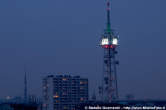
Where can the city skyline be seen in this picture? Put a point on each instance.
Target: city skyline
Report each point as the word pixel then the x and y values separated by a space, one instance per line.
pixel 62 37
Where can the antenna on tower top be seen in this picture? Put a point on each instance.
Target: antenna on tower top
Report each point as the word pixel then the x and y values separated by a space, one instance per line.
pixel 108 17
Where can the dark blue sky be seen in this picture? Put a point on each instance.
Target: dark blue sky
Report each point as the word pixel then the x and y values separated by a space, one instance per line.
pixel 62 36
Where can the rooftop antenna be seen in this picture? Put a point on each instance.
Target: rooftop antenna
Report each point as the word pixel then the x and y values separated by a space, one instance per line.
pixel 108 17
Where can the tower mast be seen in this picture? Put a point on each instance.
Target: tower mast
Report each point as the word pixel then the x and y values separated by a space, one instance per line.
pixel 108 17
pixel 25 85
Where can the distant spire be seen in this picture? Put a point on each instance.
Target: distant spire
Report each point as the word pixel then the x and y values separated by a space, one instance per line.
pixel 108 17
pixel 25 84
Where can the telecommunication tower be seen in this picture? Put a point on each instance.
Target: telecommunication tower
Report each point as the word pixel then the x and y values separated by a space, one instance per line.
pixel 109 43
pixel 25 85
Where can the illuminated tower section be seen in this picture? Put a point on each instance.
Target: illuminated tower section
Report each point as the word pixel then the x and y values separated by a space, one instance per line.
pixel 109 43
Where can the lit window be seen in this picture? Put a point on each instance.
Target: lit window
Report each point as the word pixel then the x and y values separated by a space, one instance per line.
pixel 55 96
pixel 81 98
pixel 64 79
pixel 83 82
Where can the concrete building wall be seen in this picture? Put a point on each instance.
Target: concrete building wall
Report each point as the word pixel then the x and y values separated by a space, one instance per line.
pixel 63 92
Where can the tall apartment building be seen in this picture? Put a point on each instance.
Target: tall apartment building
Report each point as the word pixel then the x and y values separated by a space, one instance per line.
pixel 64 92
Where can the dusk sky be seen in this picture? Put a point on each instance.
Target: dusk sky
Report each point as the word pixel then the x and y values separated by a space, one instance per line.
pixel 62 36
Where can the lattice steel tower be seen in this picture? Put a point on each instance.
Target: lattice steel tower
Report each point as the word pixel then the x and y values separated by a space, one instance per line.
pixel 25 85
pixel 109 43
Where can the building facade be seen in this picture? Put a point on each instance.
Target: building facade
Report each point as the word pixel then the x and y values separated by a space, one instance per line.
pixel 19 106
pixel 64 92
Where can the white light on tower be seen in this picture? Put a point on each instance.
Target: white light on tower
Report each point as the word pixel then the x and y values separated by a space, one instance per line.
pixel 105 41
pixel 115 41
